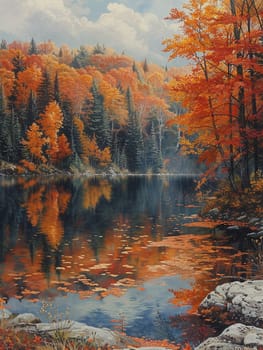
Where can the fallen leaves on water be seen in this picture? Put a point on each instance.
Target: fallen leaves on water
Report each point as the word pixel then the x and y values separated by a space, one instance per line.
pixel 125 282
pixel 204 224
pixel 99 267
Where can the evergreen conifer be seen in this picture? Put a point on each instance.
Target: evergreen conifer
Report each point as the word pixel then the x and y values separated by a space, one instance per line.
pixel 99 125
pixel 134 142
pixel 32 48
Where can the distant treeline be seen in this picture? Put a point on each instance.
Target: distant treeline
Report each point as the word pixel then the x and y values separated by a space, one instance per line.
pixel 82 109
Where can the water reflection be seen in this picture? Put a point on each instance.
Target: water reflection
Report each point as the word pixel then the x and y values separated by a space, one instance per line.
pixel 112 247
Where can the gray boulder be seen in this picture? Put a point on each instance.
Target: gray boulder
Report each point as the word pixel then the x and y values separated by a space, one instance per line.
pixel 214 212
pixel 242 301
pixel 233 228
pixel 26 318
pixel 253 221
pixel 238 336
pixel 73 329
pixel 242 217
pixel 77 330
pixel 5 314
pixel 258 234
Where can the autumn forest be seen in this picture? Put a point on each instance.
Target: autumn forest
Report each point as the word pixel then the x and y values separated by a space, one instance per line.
pixel 83 109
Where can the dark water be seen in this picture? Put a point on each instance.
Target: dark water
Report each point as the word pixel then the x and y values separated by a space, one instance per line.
pixel 114 253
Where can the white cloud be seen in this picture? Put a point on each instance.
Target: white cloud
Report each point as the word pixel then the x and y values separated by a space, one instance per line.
pixel 69 21
pixel 79 8
pixel 159 7
pixel 134 302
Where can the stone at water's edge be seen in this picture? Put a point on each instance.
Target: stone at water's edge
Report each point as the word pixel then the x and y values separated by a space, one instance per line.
pixel 237 336
pixel 73 330
pixel 5 314
pixel 242 301
pixel 25 318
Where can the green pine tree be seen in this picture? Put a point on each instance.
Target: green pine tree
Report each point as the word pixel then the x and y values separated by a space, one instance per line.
pixel 69 129
pixel 99 125
pixel 134 142
pixel 99 50
pixel 32 48
pixel 11 138
pixel 3 45
pixel 14 116
pixel 2 120
pixel 81 59
pixel 145 66
pixel 60 53
pixel 29 115
pixel 31 110
pixel 154 162
pixel 135 70
pixel 57 90
pixel 18 62
pixel 45 93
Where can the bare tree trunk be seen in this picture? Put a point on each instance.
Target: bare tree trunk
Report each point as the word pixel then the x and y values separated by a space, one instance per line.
pixel 252 5
pixel 160 118
pixel 231 169
pixel 244 148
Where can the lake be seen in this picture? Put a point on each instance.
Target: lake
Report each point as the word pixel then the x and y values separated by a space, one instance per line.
pixel 115 252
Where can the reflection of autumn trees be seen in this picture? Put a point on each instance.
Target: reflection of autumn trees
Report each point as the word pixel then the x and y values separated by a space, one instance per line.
pixel 122 261
pixel 50 224
pixel 200 260
pixel 44 207
pixel 92 193
pixel 94 236
pixel 34 206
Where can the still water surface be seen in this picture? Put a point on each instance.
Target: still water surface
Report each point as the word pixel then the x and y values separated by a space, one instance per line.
pixel 115 253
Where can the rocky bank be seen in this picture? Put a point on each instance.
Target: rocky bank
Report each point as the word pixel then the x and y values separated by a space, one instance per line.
pixel 68 329
pixel 235 337
pixel 235 302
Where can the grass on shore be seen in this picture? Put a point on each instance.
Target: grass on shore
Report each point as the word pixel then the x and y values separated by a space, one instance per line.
pixel 10 339
pixel 248 202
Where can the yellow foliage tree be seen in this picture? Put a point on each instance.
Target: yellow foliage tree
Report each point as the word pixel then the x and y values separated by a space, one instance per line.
pixel 34 143
pixel 51 121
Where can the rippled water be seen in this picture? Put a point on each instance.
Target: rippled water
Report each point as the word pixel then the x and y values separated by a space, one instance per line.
pixel 115 252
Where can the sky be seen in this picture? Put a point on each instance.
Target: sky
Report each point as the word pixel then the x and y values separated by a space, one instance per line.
pixel 135 27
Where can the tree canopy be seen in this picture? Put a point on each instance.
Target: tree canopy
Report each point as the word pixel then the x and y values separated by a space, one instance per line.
pixel 68 108
pixel 222 95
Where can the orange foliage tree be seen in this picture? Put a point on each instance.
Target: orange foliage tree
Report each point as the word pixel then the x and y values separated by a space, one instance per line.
pixel 74 85
pixel 83 139
pixel 35 142
pixel 51 121
pixel 107 62
pixel 28 81
pixel 90 152
pixel 222 94
pixel 98 157
pixel 7 81
pixel 114 102
pixel 64 149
